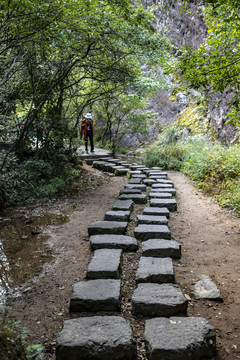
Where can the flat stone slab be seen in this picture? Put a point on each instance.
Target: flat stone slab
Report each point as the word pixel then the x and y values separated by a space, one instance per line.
pixel 145 232
pixel 113 215
pixel 151 219
pixel 126 243
pixel 157 177
pixel 141 187
pixel 171 204
pixel 158 300
pixel 130 191
pixel 98 337
pixel 134 172
pixel 164 190
pixel 135 181
pixel 139 176
pixel 120 170
pixel 180 338
pixel 126 205
pixel 161 248
pixel 105 264
pixel 96 295
pixel 136 198
pixel 162 186
pixel 155 270
pixel 206 289
pixel 149 182
pixel 158 195
pixel 107 227
pixel 164 181
pixel 157 211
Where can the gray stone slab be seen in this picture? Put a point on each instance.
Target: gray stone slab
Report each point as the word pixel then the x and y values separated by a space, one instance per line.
pixel 164 181
pixel 161 248
pixel 162 211
pixel 130 191
pixel 117 215
pixel 136 198
pixel 105 264
pixel 162 186
pixel 158 195
pixel 156 177
pixel 149 182
pixel 155 270
pixel 206 289
pixel 145 232
pixel 126 243
pixel 125 205
pixel 171 204
pixel 96 163
pixel 157 173
pixel 120 170
pixel 156 168
pixel 139 176
pixel 96 338
pixel 134 172
pixel 135 181
pixel 158 300
pixel 137 167
pixel 96 295
pixel 180 338
pixel 107 167
pixel 141 187
pixel 164 190
pixel 151 219
pixel 107 227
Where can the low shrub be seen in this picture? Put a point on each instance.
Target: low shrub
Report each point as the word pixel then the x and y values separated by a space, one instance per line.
pixel 32 179
pixel 213 167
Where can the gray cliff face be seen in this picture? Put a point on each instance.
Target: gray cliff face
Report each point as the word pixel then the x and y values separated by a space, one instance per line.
pixel 185 29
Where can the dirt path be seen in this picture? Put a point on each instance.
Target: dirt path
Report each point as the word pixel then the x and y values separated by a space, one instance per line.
pixel 210 237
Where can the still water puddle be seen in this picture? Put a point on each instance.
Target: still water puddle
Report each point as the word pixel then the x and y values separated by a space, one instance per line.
pixel 23 249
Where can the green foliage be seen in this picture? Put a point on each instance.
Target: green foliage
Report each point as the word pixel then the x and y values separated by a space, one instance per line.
pixel 213 167
pixel 13 340
pixel 32 179
pixel 214 67
pixel 58 58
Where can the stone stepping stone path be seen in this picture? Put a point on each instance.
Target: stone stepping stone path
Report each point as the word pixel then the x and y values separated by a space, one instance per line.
pixel 98 337
pixel 155 270
pixel 98 334
pixel 145 232
pixel 158 300
pixel 136 198
pixel 171 204
pixel 161 248
pixel 179 338
pixel 117 215
pixel 162 211
pixel 160 195
pixel 125 205
pixel 126 243
pixel 107 227
pixel 151 219
pixel 96 295
pixel 99 268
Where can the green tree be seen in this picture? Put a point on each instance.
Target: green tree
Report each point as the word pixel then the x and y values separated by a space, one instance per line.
pixel 214 67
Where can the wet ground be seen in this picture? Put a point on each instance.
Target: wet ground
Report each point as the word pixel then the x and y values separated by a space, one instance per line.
pixel 23 248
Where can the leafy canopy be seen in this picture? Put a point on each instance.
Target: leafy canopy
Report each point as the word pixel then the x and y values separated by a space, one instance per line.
pixel 214 67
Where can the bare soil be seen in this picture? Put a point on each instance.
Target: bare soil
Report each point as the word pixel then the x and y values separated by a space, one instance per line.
pixel 210 238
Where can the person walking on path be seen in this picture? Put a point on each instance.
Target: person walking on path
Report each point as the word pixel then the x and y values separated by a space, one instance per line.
pixel 87 131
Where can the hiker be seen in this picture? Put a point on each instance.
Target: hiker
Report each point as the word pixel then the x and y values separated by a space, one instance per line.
pixel 87 131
